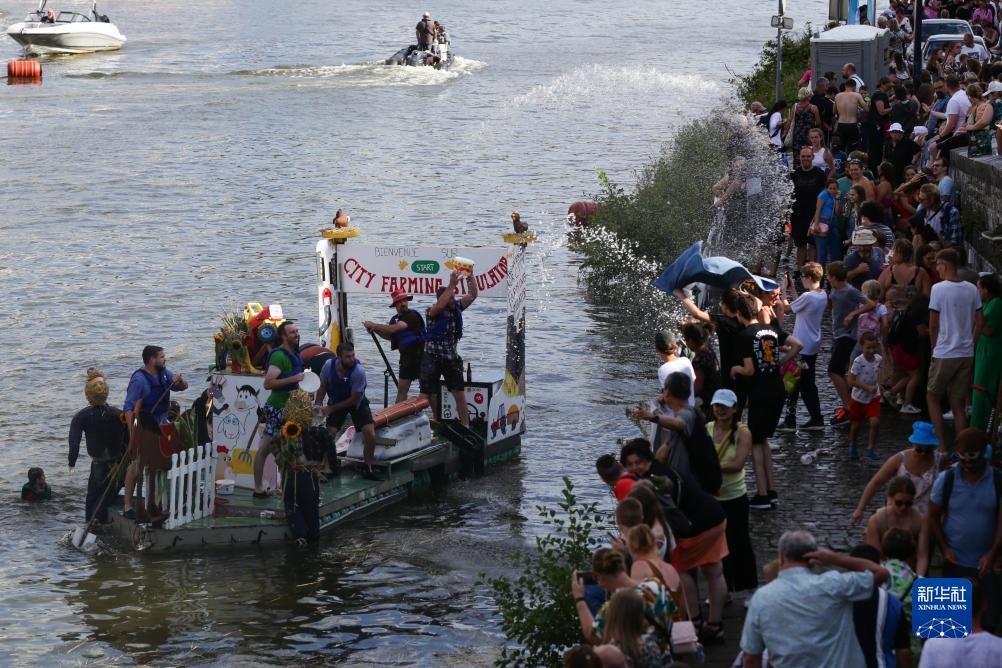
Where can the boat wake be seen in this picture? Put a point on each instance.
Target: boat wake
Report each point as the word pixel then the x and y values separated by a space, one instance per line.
pixel 370 74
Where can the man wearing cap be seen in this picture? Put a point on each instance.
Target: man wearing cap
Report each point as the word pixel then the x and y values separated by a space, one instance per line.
pixel 899 150
pixel 865 260
pixel 994 94
pixel 965 521
pixel 425 31
pixel 405 332
pixel 104 429
pixel 284 370
pixel 441 357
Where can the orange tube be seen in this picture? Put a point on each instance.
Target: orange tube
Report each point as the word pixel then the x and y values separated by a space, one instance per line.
pixel 397 411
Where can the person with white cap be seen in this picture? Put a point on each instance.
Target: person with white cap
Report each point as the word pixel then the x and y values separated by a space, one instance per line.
pixel 994 94
pixel 899 149
pixel 732 440
pixel 425 32
pixel 405 332
pixel 864 261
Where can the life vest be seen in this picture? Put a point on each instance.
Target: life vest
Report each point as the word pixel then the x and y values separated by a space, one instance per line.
pixel 297 367
pixel 438 329
pixel 153 399
pixel 406 337
pixel 338 388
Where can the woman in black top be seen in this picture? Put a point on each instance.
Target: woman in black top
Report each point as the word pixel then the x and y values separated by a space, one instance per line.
pixel 765 349
pixel 704 362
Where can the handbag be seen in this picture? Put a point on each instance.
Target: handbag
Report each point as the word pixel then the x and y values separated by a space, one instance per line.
pixel 788 139
pixel 819 229
pixel 684 639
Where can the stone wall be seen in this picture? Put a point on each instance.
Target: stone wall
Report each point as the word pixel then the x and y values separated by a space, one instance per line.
pixel 979 186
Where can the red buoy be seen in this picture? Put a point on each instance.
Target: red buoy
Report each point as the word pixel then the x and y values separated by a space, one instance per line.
pixel 581 212
pixel 24 69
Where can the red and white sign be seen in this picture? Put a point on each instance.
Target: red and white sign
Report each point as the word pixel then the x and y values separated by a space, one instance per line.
pixel 420 270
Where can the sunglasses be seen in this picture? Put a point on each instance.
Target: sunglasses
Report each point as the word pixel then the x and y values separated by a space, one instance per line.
pixel 907 503
pixel 970 454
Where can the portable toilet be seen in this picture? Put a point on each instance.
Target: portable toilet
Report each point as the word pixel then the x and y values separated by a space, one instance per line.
pixel 866 47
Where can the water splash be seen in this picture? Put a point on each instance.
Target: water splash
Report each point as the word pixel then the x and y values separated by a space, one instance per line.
pixel 370 74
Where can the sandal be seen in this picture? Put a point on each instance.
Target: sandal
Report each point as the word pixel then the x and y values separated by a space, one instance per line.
pixel 711 634
pixel 698 622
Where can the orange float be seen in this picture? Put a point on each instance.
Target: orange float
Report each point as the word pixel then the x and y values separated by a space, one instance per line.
pixel 397 411
pixel 24 69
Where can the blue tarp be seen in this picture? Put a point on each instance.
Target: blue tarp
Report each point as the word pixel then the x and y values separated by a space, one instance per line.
pixel 720 272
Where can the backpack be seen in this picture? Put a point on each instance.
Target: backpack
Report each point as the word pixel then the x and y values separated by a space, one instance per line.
pixel 951 473
pixel 868 322
pixel 703 459
pixel 899 324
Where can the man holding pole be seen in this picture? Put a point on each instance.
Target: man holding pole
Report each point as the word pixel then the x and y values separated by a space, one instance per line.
pixel 405 331
pixel 441 358
pixel 147 398
pixel 103 427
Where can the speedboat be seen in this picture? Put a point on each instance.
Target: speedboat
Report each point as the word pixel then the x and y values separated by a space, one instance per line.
pixel 50 31
pixel 439 56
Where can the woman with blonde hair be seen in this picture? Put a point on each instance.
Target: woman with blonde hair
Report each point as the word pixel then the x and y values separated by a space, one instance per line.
pixel 646 563
pixel 979 118
pixel 625 634
pixel 803 116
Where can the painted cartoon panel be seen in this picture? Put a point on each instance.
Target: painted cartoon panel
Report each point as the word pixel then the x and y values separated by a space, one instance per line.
pixel 236 399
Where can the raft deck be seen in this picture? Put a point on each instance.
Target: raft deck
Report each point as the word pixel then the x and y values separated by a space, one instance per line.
pixel 238 519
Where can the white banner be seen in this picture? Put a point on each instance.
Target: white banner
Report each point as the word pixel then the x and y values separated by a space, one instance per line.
pixel 420 270
pixel 516 283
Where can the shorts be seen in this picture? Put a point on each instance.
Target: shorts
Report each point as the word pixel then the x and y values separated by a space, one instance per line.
pixel 858 411
pixel 799 231
pixel 765 407
pixel 410 365
pixel 950 376
pixel 904 360
pixel 360 416
pixel 434 367
pixel 274 418
pixel 841 352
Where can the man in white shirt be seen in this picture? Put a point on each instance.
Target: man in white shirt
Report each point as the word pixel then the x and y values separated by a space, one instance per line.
pixel 956 117
pixel 973 49
pixel 667 347
pixel 810 308
pixel 849 72
pixel 955 317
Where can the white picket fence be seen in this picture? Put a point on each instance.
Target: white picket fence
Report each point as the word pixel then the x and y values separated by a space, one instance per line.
pixel 191 486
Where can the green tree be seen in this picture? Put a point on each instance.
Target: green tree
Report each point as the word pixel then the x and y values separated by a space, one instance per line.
pixel 760 83
pixel 537 607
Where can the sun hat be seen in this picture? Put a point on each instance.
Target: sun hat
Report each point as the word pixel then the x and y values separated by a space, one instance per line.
pixel 724 397
pixel 895 127
pixel 863 237
pixel 923 434
pixel 398 296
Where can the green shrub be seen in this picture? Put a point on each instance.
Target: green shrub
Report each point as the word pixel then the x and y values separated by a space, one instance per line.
pixel 537 608
pixel 760 83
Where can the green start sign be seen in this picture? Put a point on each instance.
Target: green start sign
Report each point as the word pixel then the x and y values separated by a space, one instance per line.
pixel 425 267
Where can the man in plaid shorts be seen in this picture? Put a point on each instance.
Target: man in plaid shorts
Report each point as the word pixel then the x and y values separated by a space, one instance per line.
pixel 444 330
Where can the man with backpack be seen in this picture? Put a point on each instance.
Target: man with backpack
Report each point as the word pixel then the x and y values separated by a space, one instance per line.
pixel 681 438
pixel 284 369
pixel 964 518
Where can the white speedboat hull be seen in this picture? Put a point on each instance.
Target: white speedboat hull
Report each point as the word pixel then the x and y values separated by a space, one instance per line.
pixel 83 37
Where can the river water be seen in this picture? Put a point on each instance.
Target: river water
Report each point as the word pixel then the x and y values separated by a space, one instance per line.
pixel 148 191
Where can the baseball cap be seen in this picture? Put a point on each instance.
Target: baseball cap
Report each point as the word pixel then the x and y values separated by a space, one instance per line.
pixel 895 127
pixel 724 397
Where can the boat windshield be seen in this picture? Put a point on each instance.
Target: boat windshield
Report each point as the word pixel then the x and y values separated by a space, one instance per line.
pixel 71 17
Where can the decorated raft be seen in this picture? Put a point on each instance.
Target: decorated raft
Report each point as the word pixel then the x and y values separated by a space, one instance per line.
pixel 202 496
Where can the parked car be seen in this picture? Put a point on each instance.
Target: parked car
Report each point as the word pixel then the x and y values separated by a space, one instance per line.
pixel 939 41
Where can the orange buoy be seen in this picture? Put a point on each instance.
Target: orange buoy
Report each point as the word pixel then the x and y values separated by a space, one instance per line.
pixel 24 69
pixel 580 212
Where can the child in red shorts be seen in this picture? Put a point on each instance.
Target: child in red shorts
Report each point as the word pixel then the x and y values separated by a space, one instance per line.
pixel 865 401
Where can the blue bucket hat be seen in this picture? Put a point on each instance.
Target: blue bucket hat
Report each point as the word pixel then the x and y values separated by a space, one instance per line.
pixel 923 434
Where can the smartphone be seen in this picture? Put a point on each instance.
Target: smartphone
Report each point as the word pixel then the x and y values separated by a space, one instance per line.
pixel 612 539
pixel 587 578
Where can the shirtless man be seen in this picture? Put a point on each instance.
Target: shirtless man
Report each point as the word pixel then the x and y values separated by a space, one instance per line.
pixel 854 172
pixel 847 106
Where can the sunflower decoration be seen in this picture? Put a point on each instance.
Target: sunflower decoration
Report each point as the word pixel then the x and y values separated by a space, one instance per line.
pixel 291 431
pixel 299 408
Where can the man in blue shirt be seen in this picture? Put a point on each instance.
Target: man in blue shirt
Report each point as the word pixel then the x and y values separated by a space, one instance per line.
pixel 343 383
pixel 146 401
pixel 964 518
pixel 804 618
